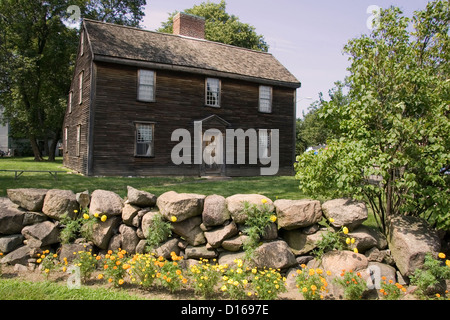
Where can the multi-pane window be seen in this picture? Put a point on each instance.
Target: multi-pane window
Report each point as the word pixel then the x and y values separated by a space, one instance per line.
pixel 146 86
pixel 264 143
pixel 265 99
pixel 144 140
pixel 80 87
pixel 213 92
pixel 78 140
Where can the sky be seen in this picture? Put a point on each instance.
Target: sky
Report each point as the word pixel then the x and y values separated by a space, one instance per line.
pixel 306 36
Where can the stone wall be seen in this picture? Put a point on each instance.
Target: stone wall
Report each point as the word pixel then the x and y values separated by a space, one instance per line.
pixel 210 227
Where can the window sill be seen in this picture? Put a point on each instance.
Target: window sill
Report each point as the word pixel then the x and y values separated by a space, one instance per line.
pixel 211 106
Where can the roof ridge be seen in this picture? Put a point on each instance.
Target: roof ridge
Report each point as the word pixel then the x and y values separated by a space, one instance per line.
pixel 178 36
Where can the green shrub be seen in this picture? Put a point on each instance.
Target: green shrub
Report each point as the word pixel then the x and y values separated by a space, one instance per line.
pixel 432 272
pixel 159 231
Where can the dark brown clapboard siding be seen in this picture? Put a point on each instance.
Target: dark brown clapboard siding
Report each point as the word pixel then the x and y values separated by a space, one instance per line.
pixel 179 102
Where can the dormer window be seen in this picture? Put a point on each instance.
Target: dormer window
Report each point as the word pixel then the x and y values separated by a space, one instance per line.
pixel 212 92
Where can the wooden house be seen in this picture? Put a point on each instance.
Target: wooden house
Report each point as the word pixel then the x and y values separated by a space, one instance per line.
pixel 132 89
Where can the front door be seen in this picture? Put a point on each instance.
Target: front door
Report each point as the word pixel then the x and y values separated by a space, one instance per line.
pixel 213 153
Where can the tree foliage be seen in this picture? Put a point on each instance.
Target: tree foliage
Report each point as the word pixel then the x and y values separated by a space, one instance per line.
pixel 37 56
pixel 393 149
pixel 222 27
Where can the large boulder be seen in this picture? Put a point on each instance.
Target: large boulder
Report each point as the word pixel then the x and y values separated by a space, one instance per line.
pixel 217 236
pixel 41 234
pixel 129 238
pixel 103 231
pixel 182 206
pixel 140 198
pixel 236 204
pixel 275 254
pixel 337 260
pixel 293 214
pixel 30 199
pixel 367 238
pixel 190 230
pixel 345 212
pixel 60 202
pixel 106 203
pixel 410 239
pixel 11 217
pixel 10 243
pixel 215 211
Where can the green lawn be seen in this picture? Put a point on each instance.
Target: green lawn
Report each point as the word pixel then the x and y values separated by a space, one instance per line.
pixel 17 289
pixel 272 187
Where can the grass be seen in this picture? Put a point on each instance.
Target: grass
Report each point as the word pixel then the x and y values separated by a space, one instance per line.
pixel 272 187
pixel 17 289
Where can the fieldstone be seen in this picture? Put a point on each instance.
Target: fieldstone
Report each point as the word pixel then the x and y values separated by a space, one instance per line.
pixel 235 243
pixel 199 252
pixel 10 242
pixel 18 256
pixel 129 212
pixel 293 214
pixel 115 243
pixel 129 238
pixel 301 243
pixel 276 254
pixel 270 232
pixel 146 222
pixel 106 203
pixel 375 255
pixel 217 236
pixel 215 211
pixel 30 218
pixel 228 258
pixel 379 270
pixel 365 238
pixel 68 249
pixel 60 202
pixel 83 199
pixel 410 239
pixel 141 246
pixel 30 199
pixel 166 248
pixel 182 206
pixel 303 259
pixel 41 234
pixel 140 198
pixel 190 230
pixel 103 231
pixel 345 212
pixel 236 203
pixel 11 217
pixel 337 260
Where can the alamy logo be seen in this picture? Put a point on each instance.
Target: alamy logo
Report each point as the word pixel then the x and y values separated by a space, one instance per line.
pixel 215 147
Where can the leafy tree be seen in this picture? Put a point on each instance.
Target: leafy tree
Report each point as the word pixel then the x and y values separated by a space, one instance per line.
pixel 37 55
pixel 222 27
pixel 393 147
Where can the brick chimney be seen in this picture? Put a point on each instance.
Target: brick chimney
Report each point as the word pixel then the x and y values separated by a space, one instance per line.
pixel 185 24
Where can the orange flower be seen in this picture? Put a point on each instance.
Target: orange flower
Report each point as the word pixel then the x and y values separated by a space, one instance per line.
pixel 121 281
pixel 118 263
pixel 105 267
pixel 178 272
pixel 184 280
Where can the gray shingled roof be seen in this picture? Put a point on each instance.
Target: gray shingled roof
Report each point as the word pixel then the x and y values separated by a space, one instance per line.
pixel 116 43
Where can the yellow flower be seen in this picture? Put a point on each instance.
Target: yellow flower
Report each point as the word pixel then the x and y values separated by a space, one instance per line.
pixel 64 269
pixel 441 255
pixel 352 240
pixel 173 219
pixel 311 272
pixel 96 214
pixel 273 218
pixel 447 262
pixel 249 294
pixel 121 281
pixel 100 276
pixel 313 288
pixel 47 270
pixel 331 220
pixel 355 250
pixel 223 288
pixel 103 218
pixel 263 201
pixel 347 241
pixel 39 260
pixel 345 230
pixel 305 289
pixel 85 216
pixel 75 211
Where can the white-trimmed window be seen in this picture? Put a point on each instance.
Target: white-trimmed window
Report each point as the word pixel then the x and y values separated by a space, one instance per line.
pixel 146 85
pixel 144 144
pixel 66 139
pixel 264 143
pixel 80 87
pixel 212 92
pixel 265 99
pixel 70 101
pixel 78 146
